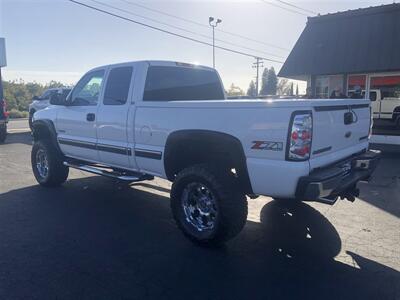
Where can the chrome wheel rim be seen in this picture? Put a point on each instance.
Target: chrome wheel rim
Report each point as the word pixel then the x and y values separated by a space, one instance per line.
pixel 42 164
pixel 200 206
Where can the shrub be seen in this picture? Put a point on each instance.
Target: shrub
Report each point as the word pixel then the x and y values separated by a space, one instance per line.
pixel 15 114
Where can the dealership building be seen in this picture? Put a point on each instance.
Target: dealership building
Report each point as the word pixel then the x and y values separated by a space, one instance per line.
pixel 345 50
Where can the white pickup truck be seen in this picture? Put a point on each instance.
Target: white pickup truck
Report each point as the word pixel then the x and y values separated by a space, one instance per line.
pixel 385 110
pixel 137 120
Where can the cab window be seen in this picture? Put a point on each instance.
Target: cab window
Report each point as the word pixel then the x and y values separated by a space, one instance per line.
pixel 87 91
pixel 164 83
pixel 372 96
pixel 46 95
pixel 117 87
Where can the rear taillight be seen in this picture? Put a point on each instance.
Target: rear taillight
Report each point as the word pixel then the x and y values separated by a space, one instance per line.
pixel 300 136
pixel 3 107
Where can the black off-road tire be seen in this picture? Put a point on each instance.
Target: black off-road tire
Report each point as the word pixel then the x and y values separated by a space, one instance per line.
pixel 231 204
pixel 30 119
pixel 3 133
pixel 397 123
pixel 57 172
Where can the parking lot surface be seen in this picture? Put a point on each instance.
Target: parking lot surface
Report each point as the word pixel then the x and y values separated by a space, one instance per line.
pixel 94 238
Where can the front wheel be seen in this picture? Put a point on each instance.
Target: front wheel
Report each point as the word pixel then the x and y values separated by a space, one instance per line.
pixel 206 204
pixel 47 165
pixel 30 120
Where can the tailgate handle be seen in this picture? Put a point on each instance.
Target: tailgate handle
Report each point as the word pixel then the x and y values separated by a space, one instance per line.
pixel 348 118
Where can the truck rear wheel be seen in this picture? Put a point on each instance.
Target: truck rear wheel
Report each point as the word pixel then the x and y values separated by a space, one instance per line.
pixel 3 133
pixel 398 123
pixel 207 206
pixel 47 164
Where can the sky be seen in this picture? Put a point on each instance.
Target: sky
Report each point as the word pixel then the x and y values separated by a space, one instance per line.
pixel 59 40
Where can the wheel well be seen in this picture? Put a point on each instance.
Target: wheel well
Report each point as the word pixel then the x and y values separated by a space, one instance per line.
pixel 41 132
pixel 396 113
pixel 189 147
pixel 44 130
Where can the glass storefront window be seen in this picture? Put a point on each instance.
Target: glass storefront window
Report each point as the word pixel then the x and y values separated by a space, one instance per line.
pixel 322 87
pixel 355 81
pixel 329 86
pixel 388 86
pixel 336 86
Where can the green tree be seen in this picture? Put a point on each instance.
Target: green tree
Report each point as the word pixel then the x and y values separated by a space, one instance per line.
pixel 54 84
pixel 19 94
pixel 264 80
pixel 251 91
pixel 234 91
pixel 272 82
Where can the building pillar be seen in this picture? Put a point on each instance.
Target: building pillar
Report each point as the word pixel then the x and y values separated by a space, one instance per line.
pixel 345 79
pixel 312 84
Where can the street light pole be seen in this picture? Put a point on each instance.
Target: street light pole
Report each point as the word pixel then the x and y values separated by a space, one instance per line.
pixel 213 25
pixel 213 29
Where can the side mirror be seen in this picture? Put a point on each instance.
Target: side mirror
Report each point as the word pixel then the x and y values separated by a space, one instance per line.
pixel 57 99
pixel 35 98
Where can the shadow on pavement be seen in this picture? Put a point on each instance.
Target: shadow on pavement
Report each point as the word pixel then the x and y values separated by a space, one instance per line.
pixel 94 239
pixel 384 189
pixel 18 138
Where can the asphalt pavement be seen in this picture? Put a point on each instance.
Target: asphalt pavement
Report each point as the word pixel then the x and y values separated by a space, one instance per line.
pixel 94 238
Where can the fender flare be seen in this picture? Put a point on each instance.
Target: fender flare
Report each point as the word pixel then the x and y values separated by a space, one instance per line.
pixel 48 126
pixel 237 153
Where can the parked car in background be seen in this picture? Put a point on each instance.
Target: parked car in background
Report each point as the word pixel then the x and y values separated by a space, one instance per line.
pixel 137 120
pixel 3 120
pixel 41 102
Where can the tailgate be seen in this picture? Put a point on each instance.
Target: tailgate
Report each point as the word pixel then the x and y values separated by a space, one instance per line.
pixel 332 133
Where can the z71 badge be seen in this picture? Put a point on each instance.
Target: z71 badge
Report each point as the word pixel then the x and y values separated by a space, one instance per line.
pixel 265 145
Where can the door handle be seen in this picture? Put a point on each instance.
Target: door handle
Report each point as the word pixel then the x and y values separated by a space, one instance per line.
pixel 90 117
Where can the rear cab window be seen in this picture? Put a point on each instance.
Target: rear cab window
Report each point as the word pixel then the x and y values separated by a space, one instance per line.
pixel 180 83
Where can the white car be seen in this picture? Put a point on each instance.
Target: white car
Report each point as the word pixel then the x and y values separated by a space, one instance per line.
pixel 136 120
pixel 41 102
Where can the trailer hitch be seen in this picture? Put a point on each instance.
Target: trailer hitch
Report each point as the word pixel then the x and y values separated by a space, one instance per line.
pixel 350 194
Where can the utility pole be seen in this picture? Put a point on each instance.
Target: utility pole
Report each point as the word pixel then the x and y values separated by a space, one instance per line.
pixel 213 25
pixel 257 65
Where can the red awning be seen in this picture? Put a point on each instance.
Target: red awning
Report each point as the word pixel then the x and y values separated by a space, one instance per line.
pixel 357 80
pixel 385 80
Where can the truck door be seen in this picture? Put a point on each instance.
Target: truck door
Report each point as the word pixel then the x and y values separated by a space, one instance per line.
pixel 76 123
pixel 375 104
pixel 112 129
pixel 388 105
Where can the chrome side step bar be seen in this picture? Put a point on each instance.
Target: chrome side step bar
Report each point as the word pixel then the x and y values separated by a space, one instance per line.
pixel 128 176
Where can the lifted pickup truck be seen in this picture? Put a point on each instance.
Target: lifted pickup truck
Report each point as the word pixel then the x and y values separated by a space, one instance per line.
pixel 137 120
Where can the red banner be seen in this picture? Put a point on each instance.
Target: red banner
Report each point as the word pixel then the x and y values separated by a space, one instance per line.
pixel 357 80
pixel 385 80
